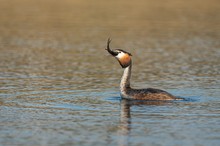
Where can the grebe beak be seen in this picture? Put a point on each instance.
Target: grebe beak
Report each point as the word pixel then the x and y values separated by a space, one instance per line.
pixel 113 53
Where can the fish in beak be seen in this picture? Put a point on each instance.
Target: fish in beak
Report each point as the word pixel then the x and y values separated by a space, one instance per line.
pixel 123 57
pixel 113 53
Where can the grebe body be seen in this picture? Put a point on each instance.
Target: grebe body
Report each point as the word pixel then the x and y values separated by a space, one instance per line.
pixel 124 59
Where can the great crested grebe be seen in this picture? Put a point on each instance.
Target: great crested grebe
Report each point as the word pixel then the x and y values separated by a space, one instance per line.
pixel 124 59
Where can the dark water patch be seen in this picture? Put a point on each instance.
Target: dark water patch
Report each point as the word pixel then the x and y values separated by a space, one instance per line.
pixel 113 99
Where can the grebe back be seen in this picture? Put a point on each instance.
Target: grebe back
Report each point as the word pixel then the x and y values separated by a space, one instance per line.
pixel 124 59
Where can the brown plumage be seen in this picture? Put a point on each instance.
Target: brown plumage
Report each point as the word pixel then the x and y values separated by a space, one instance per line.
pixel 124 58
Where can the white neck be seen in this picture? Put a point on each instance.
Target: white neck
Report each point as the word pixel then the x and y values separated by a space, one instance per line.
pixel 125 80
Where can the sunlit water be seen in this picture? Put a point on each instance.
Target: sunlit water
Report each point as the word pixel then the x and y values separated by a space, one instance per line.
pixel 58 86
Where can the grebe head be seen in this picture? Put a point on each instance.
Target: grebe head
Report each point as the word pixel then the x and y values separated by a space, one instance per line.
pixel 123 57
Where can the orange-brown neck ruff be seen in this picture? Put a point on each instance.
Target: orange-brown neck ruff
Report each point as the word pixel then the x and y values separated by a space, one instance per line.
pixel 124 60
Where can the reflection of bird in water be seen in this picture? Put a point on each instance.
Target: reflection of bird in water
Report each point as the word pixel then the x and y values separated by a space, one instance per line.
pixel 125 125
pixel 124 58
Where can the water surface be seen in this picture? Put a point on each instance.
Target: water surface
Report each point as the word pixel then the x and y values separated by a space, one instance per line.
pixel 58 86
